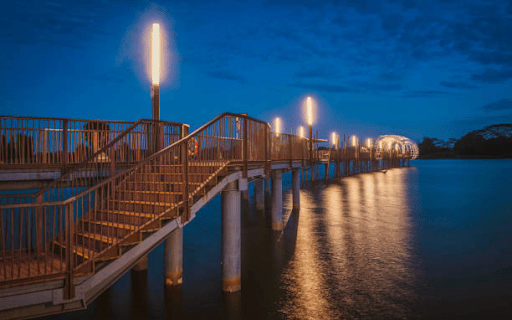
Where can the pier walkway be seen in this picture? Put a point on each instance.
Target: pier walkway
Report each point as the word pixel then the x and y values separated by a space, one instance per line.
pixel 83 201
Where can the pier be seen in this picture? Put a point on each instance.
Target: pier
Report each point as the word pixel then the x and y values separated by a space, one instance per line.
pixel 84 201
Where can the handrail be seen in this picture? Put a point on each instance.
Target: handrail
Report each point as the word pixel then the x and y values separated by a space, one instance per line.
pixel 76 119
pixel 228 139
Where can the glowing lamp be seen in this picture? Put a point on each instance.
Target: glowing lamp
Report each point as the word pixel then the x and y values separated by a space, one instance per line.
pixel 310 111
pixel 301 131
pixel 369 143
pixel 278 125
pixel 155 54
pixel 333 138
pixel 353 141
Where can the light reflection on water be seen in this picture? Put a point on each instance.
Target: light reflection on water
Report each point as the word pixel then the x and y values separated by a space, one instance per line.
pixel 352 254
pixel 420 242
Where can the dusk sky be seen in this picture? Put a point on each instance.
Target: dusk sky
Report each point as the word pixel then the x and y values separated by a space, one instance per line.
pixel 413 68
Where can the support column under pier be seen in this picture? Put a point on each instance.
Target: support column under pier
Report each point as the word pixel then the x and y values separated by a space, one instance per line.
pixel 173 258
pixel 326 171
pixel 296 189
pixel 267 186
pixel 277 200
pixel 231 238
pixel 259 195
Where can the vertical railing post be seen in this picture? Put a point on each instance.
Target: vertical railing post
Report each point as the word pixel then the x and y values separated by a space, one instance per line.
pixel 184 161
pixel 290 137
pixel 267 160
pixel 244 155
pixel 70 286
pixel 45 146
pixel 64 156
pixel 39 224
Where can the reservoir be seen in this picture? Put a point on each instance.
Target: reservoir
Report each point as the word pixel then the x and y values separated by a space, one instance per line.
pixel 433 240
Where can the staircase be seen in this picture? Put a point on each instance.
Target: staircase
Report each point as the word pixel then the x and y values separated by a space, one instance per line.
pixel 91 238
pixel 135 208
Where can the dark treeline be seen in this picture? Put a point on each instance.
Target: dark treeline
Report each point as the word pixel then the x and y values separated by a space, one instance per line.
pixel 491 142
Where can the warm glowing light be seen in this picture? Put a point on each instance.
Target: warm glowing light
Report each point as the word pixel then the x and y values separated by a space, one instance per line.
pixel 155 54
pixel 396 147
pixel 278 125
pixel 333 138
pixel 353 141
pixel 310 112
pixel 301 131
pixel 380 144
pixel 390 144
pixel 369 143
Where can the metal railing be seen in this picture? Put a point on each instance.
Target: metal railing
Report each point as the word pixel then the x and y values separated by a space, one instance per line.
pixel 48 236
pixel 30 142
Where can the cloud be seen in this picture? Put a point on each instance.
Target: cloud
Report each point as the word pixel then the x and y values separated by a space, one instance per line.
pixel 500 105
pixel 227 75
pixel 326 87
pixel 493 76
pixel 457 85
pixel 424 93
pixel 318 72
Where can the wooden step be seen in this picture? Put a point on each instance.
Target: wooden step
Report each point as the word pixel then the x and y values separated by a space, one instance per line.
pixel 163 186
pixel 138 206
pixel 149 196
pixel 111 228
pixel 79 250
pixel 168 177
pixel 97 237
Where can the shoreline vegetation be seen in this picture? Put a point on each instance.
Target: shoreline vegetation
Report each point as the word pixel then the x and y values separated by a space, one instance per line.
pixel 492 142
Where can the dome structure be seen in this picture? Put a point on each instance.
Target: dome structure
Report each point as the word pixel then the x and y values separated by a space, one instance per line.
pixel 386 142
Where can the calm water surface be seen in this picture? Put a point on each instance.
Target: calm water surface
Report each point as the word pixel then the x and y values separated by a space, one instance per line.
pixel 430 241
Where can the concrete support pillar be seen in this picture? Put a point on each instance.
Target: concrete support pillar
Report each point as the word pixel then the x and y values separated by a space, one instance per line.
pixel 245 195
pixel 142 265
pixel 296 189
pixel 173 258
pixel 259 194
pixel 231 238
pixel 277 200
pixel 326 171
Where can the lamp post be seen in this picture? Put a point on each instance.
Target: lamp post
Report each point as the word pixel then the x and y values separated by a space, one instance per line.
pixel 278 126
pixel 310 124
pixel 155 70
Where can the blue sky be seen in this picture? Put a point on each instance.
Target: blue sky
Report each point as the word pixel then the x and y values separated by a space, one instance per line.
pixel 413 68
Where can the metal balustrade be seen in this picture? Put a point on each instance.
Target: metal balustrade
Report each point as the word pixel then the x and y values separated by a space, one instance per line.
pixel 66 229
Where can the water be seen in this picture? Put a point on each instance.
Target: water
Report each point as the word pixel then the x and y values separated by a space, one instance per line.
pixel 430 241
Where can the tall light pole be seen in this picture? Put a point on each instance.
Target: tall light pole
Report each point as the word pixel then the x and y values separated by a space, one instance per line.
pixel 310 124
pixel 277 126
pixel 155 70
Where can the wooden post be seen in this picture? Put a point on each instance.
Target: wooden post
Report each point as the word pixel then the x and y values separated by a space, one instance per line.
pixel 69 292
pixel 64 156
pixel 184 160
pixel 244 153
pixel 45 146
pixel 267 159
